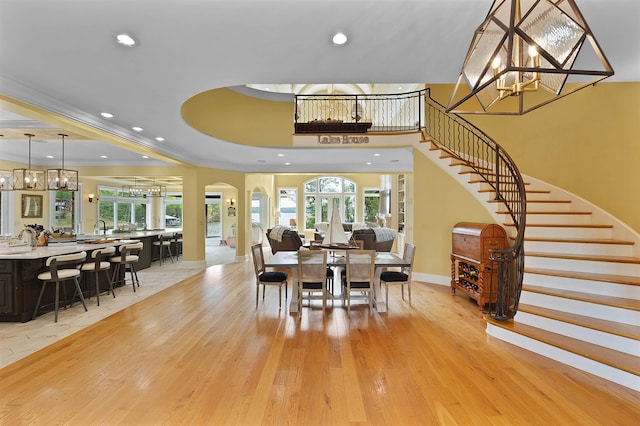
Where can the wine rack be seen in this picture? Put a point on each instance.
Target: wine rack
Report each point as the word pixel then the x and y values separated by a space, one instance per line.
pixel 472 271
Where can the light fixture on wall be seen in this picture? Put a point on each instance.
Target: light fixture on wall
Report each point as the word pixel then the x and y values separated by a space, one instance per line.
pixel 28 179
pixel 62 179
pixel 93 197
pixel 231 201
pixel 526 54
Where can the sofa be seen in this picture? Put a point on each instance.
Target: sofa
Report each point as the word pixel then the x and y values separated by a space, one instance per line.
pixel 378 239
pixel 289 240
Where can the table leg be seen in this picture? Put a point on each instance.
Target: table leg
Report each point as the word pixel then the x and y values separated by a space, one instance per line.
pixel 293 304
pixel 377 293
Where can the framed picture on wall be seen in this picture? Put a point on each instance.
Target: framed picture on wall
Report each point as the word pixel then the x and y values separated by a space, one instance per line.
pixel 31 206
pixel 231 211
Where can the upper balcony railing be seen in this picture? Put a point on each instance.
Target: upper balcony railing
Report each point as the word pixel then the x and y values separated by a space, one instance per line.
pixel 399 112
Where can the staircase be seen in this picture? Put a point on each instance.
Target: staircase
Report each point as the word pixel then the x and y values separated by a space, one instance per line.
pixel 580 300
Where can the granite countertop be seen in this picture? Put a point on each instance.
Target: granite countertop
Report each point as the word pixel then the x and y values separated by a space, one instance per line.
pixel 84 242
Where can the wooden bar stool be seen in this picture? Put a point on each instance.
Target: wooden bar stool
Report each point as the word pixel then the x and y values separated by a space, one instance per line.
pixel 99 262
pixel 61 269
pixel 126 261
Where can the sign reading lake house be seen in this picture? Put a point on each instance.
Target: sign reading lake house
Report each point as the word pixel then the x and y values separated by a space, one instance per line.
pixel 342 140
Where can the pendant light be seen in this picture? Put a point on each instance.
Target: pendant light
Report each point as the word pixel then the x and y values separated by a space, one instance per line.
pixel 526 54
pixel 62 179
pixel 6 179
pixel 28 179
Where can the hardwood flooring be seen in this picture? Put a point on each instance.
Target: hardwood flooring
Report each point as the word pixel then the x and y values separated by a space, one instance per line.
pixel 201 353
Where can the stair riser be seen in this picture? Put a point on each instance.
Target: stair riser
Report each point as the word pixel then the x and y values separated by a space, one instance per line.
pixel 561 232
pixel 579 248
pixel 611 341
pixel 620 377
pixel 532 196
pixel 548 207
pixel 558 219
pixel 611 268
pixel 610 313
pixel 583 285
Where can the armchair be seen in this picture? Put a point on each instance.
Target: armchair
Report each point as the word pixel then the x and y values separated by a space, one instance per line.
pixel 288 240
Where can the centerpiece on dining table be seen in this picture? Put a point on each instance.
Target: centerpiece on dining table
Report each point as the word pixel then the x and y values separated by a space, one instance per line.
pixel 335 237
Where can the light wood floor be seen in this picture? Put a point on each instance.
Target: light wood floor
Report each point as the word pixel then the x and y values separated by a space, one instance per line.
pixel 200 353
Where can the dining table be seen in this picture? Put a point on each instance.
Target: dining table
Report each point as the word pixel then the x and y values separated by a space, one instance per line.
pixel 289 259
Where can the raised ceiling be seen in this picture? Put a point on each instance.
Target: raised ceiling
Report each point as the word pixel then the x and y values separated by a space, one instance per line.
pixel 63 60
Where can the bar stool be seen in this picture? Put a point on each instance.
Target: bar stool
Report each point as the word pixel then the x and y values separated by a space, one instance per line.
pixel 99 263
pixel 177 241
pixel 162 244
pixel 61 268
pixel 126 261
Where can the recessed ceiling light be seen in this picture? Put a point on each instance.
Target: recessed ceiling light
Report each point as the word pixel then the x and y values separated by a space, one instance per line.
pixel 103 156
pixel 368 163
pixel 394 161
pixel 125 40
pixel 137 129
pixel 50 156
pixel 145 156
pixel 287 164
pixel 280 155
pixel 106 114
pixel 339 39
pixel 160 139
pixel 377 154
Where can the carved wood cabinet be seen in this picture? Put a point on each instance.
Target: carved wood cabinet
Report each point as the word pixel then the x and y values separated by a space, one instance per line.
pixel 472 270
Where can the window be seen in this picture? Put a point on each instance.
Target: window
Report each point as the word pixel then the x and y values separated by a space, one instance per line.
pixel 287 205
pixel 119 210
pixel 371 202
pixel 173 210
pixel 322 193
pixel 63 211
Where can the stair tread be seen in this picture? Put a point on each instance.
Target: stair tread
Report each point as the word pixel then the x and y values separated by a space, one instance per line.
pixel 564 225
pixel 528 191
pixel 613 358
pixel 582 240
pixel 625 330
pixel 484 181
pixel 597 258
pixel 540 201
pixel 549 212
pixel 618 279
pixel 619 302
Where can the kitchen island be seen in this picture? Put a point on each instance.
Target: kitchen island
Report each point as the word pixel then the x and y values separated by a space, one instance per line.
pixel 19 284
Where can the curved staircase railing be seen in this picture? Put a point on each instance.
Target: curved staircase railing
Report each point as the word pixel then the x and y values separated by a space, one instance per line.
pixel 492 163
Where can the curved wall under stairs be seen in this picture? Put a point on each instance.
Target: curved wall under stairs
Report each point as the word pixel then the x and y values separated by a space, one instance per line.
pixel 580 303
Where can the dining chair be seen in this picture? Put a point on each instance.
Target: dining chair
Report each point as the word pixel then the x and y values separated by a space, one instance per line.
pixel 402 277
pixel 99 262
pixel 61 269
pixel 177 244
pixel 265 278
pixel 312 275
pixel 359 275
pixel 126 261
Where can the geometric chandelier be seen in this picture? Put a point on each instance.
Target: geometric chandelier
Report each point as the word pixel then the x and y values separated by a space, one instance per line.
pixel 62 179
pixel 526 54
pixel 28 179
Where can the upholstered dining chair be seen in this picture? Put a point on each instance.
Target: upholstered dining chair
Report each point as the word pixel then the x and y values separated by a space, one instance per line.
pixel 402 277
pixel 265 278
pixel 312 275
pixel 99 262
pixel 61 269
pixel 359 276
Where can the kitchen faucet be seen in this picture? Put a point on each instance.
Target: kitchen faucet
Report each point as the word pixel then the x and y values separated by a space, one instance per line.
pixel 104 226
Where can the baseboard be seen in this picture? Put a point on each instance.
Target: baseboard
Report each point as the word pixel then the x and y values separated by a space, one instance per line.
pixel 431 278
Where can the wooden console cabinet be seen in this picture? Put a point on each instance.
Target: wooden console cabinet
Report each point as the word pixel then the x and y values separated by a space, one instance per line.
pixel 472 270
